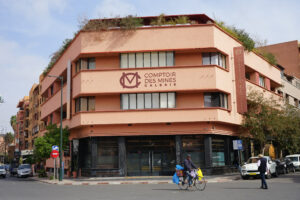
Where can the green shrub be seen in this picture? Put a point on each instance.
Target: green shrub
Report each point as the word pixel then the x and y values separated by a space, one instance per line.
pixel 42 173
pixel 239 34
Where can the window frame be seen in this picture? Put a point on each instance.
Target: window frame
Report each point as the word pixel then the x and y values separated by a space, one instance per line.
pixel 148 59
pixel 147 100
pixel 221 59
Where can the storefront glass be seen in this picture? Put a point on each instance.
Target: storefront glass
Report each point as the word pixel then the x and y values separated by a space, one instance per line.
pixel 152 155
pixel 194 145
pixel 218 152
pixel 107 153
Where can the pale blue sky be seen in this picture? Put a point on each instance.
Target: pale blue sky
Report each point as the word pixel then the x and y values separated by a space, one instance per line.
pixel 31 30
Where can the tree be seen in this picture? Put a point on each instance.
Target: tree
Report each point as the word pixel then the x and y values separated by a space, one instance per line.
pixel 288 135
pixel 266 121
pixel 42 145
pixel 13 122
pixel 262 120
pixel 8 139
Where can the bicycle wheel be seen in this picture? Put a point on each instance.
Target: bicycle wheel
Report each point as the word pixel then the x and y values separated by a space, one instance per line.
pixel 200 184
pixel 183 183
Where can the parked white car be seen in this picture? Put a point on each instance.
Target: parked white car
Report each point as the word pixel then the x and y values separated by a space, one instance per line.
pixel 2 171
pixel 251 169
pixel 295 158
pixel 24 170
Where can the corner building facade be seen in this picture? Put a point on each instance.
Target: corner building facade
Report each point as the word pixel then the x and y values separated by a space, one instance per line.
pixel 137 102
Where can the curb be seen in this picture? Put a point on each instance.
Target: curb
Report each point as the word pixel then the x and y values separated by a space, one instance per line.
pixel 125 182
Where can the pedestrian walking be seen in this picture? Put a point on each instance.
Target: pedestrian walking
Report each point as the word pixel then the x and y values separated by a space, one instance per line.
pixel 262 168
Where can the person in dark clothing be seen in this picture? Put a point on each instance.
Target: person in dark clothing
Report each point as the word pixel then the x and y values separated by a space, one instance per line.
pixel 262 168
pixel 188 167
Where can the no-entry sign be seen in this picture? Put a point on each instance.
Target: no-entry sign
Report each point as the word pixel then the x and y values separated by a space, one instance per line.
pixel 54 154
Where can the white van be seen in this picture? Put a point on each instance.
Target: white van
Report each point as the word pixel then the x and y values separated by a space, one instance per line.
pixel 295 158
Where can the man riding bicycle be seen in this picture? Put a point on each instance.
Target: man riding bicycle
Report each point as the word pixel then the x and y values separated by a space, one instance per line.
pixel 188 167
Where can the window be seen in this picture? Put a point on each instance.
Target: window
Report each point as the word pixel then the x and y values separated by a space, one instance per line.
pixel 85 63
pixel 51 90
pixel 218 149
pixel 84 104
pixel 215 99
pixel 261 81
pixel 148 59
pixel 247 75
pixel 194 145
pixel 148 101
pixel 214 58
pixel 107 153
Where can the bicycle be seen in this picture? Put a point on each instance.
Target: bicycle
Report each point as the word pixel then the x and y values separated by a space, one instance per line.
pixel 198 183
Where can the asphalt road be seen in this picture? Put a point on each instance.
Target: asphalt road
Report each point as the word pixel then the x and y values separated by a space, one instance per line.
pixel 286 187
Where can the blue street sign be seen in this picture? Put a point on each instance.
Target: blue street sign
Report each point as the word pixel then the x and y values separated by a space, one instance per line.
pixel 55 148
pixel 237 144
pixel 240 144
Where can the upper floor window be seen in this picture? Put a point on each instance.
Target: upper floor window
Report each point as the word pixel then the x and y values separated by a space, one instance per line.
pixel 215 99
pixel 214 58
pixel 261 81
pixel 148 100
pixel 85 63
pixel 84 104
pixel 147 59
pixel 51 89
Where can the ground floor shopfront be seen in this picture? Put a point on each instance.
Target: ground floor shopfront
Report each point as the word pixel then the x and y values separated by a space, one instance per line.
pixel 152 155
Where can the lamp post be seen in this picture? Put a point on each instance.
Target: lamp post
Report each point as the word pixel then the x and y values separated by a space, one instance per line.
pixel 61 116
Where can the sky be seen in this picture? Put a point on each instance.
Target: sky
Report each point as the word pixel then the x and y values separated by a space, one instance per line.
pixel 31 30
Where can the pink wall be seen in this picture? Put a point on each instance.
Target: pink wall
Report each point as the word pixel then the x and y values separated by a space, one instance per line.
pixel 183 79
pixel 155 129
pixel 107 102
pixel 188 58
pixel 189 100
pixel 108 62
pixel 268 84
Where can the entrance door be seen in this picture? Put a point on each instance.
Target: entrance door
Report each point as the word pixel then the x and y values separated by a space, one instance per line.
pixel 147 163
pixel 147 156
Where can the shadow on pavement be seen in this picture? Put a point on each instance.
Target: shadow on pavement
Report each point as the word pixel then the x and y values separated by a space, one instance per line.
pixel 241 188
pixel 14 178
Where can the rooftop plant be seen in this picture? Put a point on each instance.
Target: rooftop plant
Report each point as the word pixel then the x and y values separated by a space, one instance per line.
pixel 248 43
pixel 161 20
pixel 127 23
pixel 57 54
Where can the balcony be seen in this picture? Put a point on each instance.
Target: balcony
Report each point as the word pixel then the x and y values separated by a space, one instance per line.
pixel 53 103
pixel 267 94
pixel 155 116
pixel 187 78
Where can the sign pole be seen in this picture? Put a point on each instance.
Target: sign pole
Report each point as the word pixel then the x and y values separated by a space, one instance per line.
pixel 54 167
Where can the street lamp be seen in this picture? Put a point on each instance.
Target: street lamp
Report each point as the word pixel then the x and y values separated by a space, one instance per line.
pixel 61 116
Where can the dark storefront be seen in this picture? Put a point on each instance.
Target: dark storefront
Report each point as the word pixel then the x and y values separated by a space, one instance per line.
pixel 152 155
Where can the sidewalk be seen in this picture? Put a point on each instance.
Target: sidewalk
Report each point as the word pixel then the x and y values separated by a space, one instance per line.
pixel 132 180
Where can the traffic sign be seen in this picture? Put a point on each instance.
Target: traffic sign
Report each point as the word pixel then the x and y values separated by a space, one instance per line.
pixel 54 154
pixel 237 144
pixel 55 147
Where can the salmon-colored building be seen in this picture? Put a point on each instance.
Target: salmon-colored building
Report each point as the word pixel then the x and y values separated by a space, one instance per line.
pixel 137 101
pixel 21 134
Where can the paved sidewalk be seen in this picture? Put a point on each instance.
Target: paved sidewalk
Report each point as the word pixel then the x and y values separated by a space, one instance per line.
pixel 132 180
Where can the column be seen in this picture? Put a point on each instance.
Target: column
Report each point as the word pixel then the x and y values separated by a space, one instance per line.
pixel 178 146
pixel 93 149
pixel 122 156
pixel 208 151
pixel 227 151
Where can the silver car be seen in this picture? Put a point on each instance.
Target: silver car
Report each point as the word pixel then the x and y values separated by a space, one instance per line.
pixel 2 171
pixel 24 170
